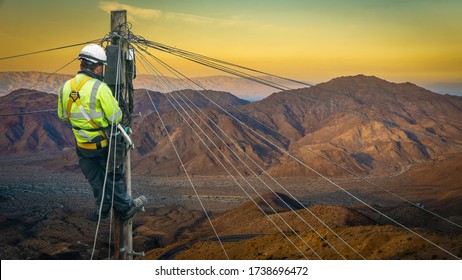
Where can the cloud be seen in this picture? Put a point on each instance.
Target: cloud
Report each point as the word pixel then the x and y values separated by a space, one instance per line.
pixel 202 20
pixel 135 12
pixel 143 13
pixel 190 19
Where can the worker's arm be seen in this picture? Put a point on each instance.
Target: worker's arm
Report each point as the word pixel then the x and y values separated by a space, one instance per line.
pixel 61 113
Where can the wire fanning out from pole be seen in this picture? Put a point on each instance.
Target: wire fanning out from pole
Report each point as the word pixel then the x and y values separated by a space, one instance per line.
pixel 52 49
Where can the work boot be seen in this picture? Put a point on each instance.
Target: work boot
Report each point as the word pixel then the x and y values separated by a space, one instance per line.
pixel 137 205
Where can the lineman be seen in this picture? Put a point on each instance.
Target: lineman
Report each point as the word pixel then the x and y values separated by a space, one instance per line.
pixel 87 103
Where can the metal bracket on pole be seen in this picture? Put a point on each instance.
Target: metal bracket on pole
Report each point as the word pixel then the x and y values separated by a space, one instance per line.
pixel 136 254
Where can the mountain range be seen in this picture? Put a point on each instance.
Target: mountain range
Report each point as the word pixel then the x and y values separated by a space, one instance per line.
pixel 364 124
pixel 240 87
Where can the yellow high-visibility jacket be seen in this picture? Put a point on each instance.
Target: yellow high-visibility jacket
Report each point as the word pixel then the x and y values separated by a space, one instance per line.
pixel 99 103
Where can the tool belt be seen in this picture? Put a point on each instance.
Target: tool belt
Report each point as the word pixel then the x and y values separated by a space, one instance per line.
pixel 118 149
pixel 93 146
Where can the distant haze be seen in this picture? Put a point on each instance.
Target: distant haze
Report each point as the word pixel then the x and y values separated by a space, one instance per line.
pixel 446 88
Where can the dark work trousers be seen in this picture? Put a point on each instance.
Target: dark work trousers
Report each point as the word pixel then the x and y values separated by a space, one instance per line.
pixel 93 165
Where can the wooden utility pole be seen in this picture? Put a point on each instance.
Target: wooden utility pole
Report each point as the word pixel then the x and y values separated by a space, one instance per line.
pixel 123 243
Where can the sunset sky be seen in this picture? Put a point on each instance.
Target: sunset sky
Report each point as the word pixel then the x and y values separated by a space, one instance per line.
pixel 415 40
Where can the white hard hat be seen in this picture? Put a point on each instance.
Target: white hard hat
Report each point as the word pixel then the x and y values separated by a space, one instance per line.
pixel 93 53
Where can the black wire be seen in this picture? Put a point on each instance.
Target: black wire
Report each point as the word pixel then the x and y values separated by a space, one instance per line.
pixel 126 103
pixel 206 62
pixel 230 71
pixel 177 50
pixel 67 64
pixel 38 82
pixel 52 49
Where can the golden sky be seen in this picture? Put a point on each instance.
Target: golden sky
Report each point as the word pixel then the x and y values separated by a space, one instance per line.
pixel 407 40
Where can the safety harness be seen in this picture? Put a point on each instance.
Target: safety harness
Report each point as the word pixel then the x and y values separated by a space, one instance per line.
pixel 74 96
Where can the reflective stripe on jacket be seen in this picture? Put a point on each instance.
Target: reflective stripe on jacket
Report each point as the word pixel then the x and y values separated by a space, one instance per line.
pixel 98 101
